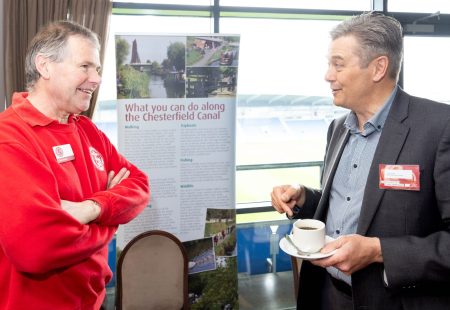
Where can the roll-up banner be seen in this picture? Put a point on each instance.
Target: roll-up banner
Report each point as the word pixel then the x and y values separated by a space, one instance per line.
pixel 177 122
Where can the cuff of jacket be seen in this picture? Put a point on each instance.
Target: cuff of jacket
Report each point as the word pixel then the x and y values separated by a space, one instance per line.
pixel 309 204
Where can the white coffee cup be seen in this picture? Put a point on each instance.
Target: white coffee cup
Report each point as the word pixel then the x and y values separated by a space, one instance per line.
pixel 309 235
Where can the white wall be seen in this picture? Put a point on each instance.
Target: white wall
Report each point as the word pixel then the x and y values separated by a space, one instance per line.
pixel 2 68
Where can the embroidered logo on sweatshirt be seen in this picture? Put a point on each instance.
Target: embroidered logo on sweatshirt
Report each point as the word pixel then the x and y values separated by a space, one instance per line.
pixel 97 159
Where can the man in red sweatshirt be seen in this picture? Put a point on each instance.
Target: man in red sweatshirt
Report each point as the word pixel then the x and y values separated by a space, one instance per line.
pixel 65 188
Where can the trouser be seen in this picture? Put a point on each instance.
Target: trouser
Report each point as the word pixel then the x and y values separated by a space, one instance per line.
pixel 336 295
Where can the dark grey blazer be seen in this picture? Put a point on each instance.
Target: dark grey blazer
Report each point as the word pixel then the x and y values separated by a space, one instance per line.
pixel 413 226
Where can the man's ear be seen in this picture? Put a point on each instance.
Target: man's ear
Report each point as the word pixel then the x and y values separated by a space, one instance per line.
pixel 380 68
pixel 42 66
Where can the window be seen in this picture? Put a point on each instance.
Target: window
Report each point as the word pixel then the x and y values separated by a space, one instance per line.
pixel 191 2
pixel 284 106
pixel 304 4
pixel 426 64
pixel 419 6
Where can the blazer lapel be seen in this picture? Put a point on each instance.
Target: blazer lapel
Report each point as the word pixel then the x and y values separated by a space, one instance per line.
pixel 388 150
pixel 338 141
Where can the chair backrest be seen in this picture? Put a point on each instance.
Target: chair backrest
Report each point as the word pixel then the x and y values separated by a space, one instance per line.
pixel 152 273
pixel 296 265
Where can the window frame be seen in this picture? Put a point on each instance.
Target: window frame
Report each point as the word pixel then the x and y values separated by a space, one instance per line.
pixel 415 24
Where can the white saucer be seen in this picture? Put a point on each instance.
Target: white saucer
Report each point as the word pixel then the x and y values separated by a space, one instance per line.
pixel 289 249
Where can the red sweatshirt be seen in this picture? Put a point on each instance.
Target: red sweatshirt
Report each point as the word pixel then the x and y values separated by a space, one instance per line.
pixel 48 260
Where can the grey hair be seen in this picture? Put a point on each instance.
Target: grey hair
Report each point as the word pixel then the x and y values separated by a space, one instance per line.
pixel 51 42
pixel 378 35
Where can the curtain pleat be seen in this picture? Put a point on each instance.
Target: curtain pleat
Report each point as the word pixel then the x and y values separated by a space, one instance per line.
pixel 22 20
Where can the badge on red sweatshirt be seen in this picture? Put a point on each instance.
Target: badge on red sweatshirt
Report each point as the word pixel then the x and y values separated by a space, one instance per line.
pixel 63 153
pixel 97 159
pixel 403 177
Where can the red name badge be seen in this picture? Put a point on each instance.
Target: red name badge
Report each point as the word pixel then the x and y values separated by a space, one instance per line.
pixel 403 177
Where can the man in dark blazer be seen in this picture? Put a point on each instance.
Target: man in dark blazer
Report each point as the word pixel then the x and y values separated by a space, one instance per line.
pixel 385 194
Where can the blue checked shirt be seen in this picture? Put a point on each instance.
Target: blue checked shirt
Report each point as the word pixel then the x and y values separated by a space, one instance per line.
pixel 349 182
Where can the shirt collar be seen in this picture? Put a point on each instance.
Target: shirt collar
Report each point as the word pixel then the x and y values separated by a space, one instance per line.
pixel 30 114
pixel 376 122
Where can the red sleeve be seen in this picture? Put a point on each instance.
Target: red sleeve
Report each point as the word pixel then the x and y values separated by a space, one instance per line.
pixel 36 235
pixel 126 200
